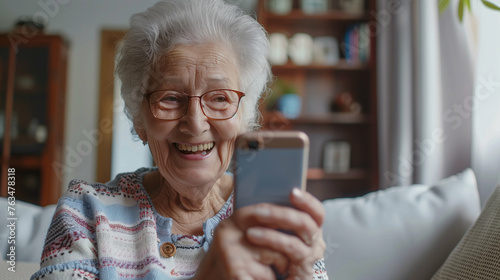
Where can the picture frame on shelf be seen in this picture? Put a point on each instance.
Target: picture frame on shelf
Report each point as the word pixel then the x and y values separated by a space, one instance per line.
pixel 326 50
pixel 337 157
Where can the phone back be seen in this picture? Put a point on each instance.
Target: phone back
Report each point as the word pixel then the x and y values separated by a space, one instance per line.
pixel 268 165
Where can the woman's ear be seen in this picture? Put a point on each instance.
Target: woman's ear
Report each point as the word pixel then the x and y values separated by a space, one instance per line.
pixel 141 131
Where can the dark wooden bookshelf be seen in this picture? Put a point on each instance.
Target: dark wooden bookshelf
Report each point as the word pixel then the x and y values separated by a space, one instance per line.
pixel 318 85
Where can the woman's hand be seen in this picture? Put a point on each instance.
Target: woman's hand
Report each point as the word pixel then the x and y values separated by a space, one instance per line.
pixel 247 245
pixel 302 249
pixel 232 256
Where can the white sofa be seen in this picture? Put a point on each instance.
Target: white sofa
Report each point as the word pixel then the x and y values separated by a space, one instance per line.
pixel 399 233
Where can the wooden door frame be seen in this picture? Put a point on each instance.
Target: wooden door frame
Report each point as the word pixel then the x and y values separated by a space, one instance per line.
pixel 109 41
pixel 9 101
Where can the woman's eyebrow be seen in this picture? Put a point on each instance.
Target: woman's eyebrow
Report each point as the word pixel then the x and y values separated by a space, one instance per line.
pixel 167 80
pixel 218 80
pixel 215 80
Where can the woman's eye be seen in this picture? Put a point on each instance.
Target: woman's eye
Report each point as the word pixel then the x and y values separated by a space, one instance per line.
pixel 170 98
pixel 219 98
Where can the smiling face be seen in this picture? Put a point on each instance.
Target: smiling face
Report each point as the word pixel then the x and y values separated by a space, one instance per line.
pixel 193 151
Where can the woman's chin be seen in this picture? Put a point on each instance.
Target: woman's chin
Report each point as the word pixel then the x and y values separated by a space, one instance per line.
pixel 195 175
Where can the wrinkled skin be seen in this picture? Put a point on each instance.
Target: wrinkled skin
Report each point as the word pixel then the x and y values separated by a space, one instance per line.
pixel 191 189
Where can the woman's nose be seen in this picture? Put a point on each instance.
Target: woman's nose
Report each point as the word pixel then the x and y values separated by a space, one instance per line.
pixel 194 122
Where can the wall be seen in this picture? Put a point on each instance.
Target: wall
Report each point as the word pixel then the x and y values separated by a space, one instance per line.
pixel 485 110
pixel 80 22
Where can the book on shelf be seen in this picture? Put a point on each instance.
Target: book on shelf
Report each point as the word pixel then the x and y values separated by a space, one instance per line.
pixel 356 44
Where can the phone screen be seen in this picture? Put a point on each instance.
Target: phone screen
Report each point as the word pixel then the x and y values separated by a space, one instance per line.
pixel 267 175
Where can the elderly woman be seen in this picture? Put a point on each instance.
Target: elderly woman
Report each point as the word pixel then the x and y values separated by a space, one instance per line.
pixel 192 73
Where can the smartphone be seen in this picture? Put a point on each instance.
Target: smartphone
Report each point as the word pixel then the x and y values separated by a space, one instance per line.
pixel 267 165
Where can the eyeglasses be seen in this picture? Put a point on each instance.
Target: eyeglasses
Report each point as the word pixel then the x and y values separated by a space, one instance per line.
pixel 219 104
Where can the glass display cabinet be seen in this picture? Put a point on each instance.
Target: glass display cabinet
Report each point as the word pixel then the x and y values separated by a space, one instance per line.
pixel 32 103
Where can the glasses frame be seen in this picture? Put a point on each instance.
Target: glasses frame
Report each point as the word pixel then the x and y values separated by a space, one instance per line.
pixel 148 94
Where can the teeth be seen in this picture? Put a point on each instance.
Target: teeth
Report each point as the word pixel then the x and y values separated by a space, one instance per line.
pixel 195 148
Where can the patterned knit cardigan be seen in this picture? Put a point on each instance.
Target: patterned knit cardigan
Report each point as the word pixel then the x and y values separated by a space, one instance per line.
pixel 112 231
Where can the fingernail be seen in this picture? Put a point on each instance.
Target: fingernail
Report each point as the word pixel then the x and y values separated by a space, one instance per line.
pixel 255 232
pixel 297 193
pixel 263 211
pixel 307 240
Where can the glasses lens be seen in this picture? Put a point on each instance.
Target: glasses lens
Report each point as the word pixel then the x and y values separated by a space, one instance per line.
pixel 216 104
pixel 220 104
pixel 168 105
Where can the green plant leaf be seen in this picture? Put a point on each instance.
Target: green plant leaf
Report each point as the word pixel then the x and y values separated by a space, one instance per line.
pixel 443 5
pixel 468 5
pixel 461 10
pixel 490 5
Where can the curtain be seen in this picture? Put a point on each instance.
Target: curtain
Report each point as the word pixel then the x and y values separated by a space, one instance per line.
pixel 425 82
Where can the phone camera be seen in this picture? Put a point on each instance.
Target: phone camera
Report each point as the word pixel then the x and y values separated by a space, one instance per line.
pixel 253 145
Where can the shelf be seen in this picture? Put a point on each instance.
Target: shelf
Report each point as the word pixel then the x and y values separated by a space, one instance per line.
pixel 37 91
pixel 333 118
pixel 26 162
pixel 274 120
pixel 353 174
pixel 319 85
pixel 343 65
pixel 333 15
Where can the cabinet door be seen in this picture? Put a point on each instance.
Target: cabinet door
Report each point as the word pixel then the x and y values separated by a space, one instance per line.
pixel 29 115
pixel 4 62
pixel 29 129
pixel 35 85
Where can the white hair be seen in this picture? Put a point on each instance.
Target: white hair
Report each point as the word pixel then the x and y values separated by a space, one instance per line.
pixel 160 28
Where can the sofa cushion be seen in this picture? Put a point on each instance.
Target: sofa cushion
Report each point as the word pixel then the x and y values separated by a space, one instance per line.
pixel 31 228
pixel 477 256
pixel 403 232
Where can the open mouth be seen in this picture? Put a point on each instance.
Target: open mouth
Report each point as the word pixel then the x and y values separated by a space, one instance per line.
pixel 202 149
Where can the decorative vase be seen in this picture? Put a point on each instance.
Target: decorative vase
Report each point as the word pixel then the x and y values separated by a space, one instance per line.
pixel 279 48
pixel 280 7
pixel 314 6
pixel 290 105
pixel 300 48
pixel 352 6
pixel 337 157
